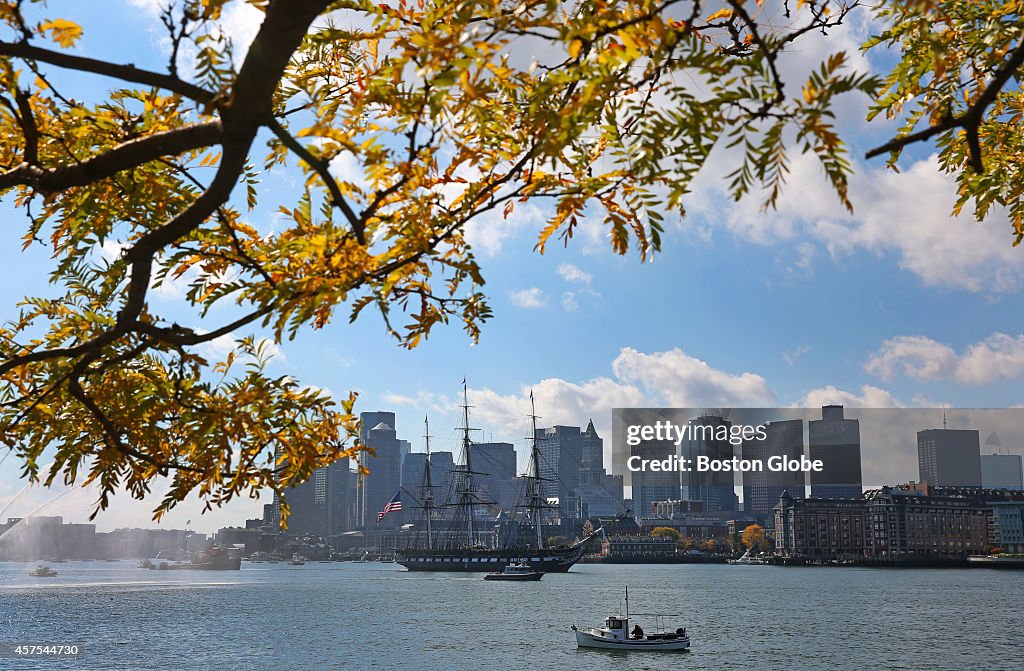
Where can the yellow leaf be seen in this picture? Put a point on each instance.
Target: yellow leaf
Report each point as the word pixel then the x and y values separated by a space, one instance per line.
pixel 574 48
pixel 63 32
pixel 720 14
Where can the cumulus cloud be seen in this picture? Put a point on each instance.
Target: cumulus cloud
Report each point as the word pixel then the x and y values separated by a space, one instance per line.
pixel 528 298
pixel 997 357
pixel 869 397
pixel 573 274
pixel 681 380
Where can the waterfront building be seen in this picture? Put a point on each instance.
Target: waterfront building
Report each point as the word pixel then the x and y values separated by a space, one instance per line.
pixel 716 490
pixel 835 441
pixel 761 489
pixel 889 524
pixel 638 548
pixel 949 457
pixel 819 528
pixel 1002 471
pixel 902 524
pixel 1007 529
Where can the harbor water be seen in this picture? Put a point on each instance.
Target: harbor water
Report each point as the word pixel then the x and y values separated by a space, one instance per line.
pixel 324 616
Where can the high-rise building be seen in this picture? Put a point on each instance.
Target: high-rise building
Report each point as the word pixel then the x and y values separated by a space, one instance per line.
pixel 835 441
pixel 761 489
pixel 1002 471
pixel 560 449
pixel 949 457
pixel 494 465
pixel 652 486
pixel 708 436
pixel 385 477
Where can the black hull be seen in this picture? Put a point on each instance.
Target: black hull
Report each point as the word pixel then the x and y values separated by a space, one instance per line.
pixel 557 560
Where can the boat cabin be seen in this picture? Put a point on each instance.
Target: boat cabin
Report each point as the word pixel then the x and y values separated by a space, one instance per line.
pixel 616 627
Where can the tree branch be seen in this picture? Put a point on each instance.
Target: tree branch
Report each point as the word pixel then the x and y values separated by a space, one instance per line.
pixel 128 73
pixel 321 168
pixel 122 157
pixel 970 120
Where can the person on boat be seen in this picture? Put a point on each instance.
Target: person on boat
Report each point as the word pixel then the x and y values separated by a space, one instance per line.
pixel 681 632
pixel 638 632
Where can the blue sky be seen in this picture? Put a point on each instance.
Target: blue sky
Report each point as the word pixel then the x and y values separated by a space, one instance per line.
pixel 897 304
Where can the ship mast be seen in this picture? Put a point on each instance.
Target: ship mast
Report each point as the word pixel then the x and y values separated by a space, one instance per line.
pixel 427 495
pixel 535 502
pixel 466 495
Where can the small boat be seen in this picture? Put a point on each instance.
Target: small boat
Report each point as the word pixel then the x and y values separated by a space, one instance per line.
pixel 615 635
pixel 516 572
pixel 747 560
pixel 42 572
pixel 147 564
pixel 297 560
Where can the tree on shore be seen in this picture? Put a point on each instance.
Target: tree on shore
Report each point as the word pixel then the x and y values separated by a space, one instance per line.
pixel 666 532
pixel 754 539
pixel 613 114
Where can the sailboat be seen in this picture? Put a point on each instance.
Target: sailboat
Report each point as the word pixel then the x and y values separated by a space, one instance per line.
pixel 461 549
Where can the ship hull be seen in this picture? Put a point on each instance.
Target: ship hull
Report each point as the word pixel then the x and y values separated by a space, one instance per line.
pixel 557 560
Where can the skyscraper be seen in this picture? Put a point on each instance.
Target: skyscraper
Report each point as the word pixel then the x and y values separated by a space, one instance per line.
pixel 1002 471
pixel 385 476
pixel 949 457
pixel 495 467
pixel 762 489
pixel 835 441
pixel 651 486
pixel 560 450
pixel 716 490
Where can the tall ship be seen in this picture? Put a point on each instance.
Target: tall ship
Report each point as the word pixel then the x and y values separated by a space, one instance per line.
pixel 458 544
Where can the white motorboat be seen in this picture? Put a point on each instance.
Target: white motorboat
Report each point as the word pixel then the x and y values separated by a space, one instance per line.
pixel 615 635
pixel 747 560
pixel 519 572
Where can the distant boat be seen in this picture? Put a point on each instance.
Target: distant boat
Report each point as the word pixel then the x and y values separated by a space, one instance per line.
pixel 518 572
pixel 997 561
pixel 216 559
pixel 147 564
pixel 615 635
pixel 42 572
pixel 297 560
pixel 747 560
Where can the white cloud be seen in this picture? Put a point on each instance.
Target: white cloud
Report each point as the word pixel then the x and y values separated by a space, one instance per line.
pixel 528 298
pixel 905 214
pixel 570 302
pixel 574 274
pixel 488 232
pixel 680 380
pixel 997 357
pixel 218 348
pixel 869 397
pixel 791 355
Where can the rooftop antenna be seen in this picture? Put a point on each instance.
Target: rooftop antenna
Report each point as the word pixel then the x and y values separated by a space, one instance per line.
pixel 943 417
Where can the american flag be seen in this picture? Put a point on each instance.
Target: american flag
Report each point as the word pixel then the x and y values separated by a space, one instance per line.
pixel 394 505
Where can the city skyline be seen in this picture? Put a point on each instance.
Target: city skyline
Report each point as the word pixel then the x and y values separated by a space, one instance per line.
pixel 917 314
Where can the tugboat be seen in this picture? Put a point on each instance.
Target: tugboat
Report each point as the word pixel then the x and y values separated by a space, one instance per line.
pixel 615 635
pixel 42 572
pixel 520 572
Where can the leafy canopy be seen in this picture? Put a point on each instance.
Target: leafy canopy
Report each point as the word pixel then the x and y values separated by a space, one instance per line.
pixel 451 110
